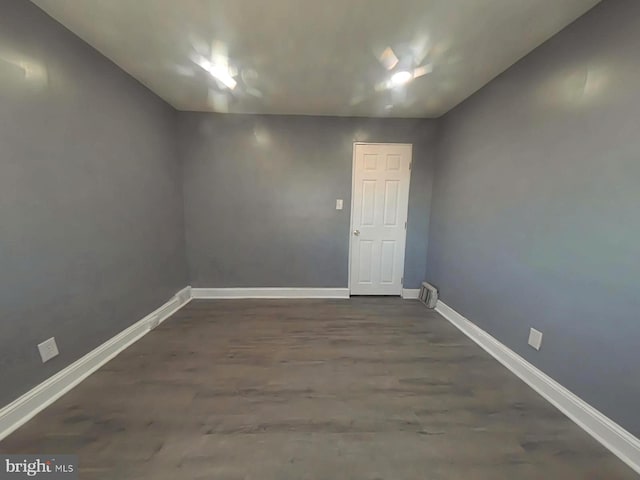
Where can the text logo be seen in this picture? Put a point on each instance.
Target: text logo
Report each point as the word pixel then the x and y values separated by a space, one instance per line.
pixel 51 467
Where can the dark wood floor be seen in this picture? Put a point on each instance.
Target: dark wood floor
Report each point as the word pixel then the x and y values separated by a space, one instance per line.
pixel 367 388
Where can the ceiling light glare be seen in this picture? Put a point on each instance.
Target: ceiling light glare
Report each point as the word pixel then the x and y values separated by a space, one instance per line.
pixel 400 78
pixel 219 73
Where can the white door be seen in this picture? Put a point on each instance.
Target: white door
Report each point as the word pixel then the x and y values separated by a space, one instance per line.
pixel 380 199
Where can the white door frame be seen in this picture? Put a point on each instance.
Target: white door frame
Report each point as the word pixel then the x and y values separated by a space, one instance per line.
pixel 353 185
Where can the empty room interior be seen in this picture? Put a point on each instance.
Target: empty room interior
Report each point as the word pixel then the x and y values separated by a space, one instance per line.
pixel 302 239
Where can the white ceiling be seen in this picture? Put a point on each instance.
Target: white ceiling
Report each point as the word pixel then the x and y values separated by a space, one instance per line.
pixel 315 57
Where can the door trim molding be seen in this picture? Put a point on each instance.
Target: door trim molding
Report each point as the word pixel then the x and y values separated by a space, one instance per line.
pixel 611 435
pixel 353 185
pixel 24 408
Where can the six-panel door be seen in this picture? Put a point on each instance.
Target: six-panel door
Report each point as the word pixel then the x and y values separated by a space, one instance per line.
pixel 379 216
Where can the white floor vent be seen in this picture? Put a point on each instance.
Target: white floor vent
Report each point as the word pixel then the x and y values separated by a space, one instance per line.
pixel 428 295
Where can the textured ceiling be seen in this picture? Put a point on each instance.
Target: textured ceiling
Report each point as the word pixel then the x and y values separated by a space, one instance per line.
pixel 325 57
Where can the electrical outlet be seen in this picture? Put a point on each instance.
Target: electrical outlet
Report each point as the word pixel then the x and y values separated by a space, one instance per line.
pixel 48 349
pixel 339 204
pixel 535 338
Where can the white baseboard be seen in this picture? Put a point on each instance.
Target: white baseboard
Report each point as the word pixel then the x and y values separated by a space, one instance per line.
pixel 410 293
pixel 611 435
pixel 38 398
pixel 221 293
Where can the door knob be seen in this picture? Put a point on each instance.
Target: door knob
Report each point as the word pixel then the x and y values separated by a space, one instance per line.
pixel 356 232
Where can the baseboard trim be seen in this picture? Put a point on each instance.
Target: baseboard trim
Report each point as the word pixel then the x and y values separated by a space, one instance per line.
pixel 611 435
pixel 228 293
pixel 410 293
pixel 23 409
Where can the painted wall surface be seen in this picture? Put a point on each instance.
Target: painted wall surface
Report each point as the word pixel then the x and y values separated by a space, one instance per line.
pixel 536 208
pixel 260 196
pixel 91 217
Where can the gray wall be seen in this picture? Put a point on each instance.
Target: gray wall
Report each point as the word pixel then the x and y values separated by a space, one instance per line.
pixel 260 196
pixel 91 227
pixel 536 208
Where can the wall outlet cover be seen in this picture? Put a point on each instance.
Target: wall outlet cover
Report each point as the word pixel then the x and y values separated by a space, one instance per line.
pixel 535 338
pixel 339 204
pixel 48 349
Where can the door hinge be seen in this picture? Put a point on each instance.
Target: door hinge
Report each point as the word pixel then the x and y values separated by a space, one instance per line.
pixel 410 165
pixel 405 225
pixel 402 281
